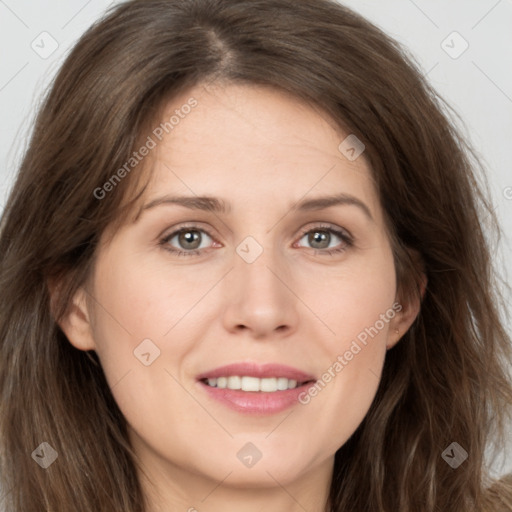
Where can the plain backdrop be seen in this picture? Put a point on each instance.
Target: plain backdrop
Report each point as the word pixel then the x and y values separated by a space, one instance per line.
pixel 464 48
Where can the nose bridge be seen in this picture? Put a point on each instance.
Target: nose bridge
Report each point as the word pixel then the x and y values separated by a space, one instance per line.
pixel 256 267
pixel 258 298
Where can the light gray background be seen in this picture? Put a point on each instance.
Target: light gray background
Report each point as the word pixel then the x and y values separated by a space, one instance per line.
pixel 478 83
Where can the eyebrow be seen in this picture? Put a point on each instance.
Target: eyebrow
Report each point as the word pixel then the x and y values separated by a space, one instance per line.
pixel 216 205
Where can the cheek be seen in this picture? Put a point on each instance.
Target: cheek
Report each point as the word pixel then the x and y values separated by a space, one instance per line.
pixel 133 305
pixel 358 299
pixel 359 310
pixel 139 299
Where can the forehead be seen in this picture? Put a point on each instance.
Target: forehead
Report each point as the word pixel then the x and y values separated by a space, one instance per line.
pixel 251 144
pixel 234 119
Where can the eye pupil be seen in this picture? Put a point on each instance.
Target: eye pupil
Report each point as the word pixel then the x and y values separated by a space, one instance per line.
pixel 319 237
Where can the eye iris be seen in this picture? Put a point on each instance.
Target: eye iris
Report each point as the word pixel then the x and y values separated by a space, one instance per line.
pixel 189 237
pixel 319 237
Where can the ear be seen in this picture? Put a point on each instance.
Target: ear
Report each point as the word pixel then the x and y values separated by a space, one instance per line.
pixel 75 323
pixel 410 304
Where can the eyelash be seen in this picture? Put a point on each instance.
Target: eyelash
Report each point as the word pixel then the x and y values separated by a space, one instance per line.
pixel 347 239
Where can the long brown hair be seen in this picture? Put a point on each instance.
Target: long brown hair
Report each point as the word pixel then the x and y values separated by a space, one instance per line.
pixel 445 381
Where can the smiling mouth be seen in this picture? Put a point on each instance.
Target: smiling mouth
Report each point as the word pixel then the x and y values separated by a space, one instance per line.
pixel 254 384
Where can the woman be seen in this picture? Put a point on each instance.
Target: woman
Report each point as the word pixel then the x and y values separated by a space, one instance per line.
pixel 260 368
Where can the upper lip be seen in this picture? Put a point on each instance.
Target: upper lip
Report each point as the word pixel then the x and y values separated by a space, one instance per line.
pixel 261 371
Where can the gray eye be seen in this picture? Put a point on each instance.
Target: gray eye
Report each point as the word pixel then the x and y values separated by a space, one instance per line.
pixel 188 239
pixel 320 238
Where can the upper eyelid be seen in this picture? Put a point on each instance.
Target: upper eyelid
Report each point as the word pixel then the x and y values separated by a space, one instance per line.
pixel 191 227
pixel 327 227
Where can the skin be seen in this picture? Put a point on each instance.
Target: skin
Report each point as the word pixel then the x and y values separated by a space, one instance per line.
pixel 261 151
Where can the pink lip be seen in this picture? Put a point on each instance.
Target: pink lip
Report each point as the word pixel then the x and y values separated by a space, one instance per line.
pixel 257 370
pixel 257 402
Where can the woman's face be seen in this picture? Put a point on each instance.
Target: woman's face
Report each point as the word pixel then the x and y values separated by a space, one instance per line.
pixel 273 278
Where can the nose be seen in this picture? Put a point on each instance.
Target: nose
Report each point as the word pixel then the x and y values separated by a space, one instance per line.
pixel 260 298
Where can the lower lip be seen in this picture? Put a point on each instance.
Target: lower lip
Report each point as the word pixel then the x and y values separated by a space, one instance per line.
pixel 256 402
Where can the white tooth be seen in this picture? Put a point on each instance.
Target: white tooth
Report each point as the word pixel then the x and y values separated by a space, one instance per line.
pixel 292 383
pixel 245 383
pixel 250 384
pixel 282 383
pixel 234 382
pixel 269 385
